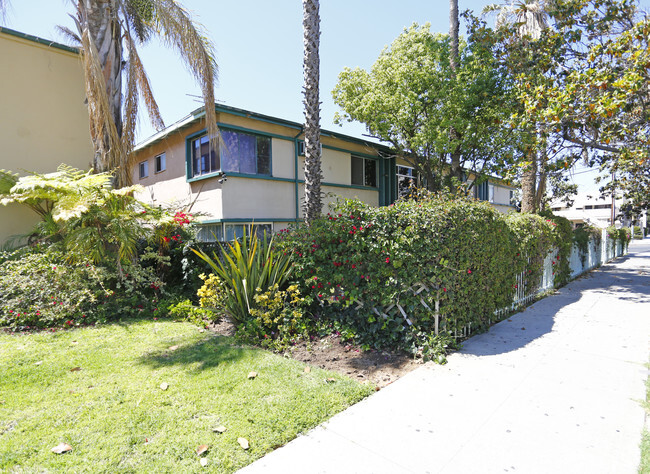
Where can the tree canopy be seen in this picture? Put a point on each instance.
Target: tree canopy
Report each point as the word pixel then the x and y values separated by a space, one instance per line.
pixel 413 99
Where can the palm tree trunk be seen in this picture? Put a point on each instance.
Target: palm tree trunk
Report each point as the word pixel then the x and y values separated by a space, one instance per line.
pixel 101 19
pixel 313 174
pixel 454 60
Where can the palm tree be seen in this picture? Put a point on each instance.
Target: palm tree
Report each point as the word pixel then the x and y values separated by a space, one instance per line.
pixel 108 33
pixel 313 174
pixel 454 61
pixel 530 18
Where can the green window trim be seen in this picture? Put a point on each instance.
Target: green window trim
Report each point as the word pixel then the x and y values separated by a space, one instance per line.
pixel 215 166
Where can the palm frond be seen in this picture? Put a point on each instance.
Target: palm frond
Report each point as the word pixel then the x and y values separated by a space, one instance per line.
pixel 177 29
pixel 69 34
pixel 144 86
pixel 130 112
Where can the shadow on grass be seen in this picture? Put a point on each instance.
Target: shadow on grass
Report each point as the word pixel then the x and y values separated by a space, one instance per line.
pixel 202 355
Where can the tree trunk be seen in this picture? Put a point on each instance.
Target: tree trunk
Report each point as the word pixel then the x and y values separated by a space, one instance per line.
pixel 541 184
pixel 313 175
pixel 454 60
pixel 529 184
pixel 105 31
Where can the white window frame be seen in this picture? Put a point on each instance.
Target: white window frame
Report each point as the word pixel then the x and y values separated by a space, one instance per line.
pixel 364 160
pixel 160 163
pixel 143 169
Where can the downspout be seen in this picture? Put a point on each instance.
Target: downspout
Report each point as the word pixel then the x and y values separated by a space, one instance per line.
pixel 295 172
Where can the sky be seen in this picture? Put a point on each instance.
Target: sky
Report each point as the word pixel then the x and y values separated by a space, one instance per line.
pixel 259 51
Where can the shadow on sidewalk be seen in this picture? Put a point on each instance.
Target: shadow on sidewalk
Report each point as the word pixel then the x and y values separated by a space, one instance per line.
pixel 613 279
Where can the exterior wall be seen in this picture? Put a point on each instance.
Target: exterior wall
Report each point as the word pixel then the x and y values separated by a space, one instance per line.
pixel 258 199
pixel 276 199
pixel 43 119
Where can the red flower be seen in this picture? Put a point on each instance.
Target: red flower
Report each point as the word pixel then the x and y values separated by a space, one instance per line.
pixel 354 266
pixel 387 260
pixel 444 289
pixel 469 271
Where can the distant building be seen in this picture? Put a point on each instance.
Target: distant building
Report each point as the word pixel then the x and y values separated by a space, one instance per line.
pixel 262 160
pixel 43 117
pixel 597 210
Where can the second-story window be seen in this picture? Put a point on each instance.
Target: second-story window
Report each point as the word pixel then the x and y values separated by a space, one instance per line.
pixel 238 152
pixel 143 169
pixel 161 164
pixel 204 160
pixel 245 153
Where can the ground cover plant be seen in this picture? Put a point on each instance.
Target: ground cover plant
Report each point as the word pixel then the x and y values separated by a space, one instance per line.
pixel 142 396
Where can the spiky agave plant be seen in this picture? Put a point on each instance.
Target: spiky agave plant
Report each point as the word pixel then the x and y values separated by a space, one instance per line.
pixel 244 266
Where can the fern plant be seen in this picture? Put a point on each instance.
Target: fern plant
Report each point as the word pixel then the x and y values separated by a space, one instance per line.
pixel 247 266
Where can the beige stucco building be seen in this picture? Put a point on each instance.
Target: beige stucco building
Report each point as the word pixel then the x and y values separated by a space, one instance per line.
pixel 43 118
pixel 256 176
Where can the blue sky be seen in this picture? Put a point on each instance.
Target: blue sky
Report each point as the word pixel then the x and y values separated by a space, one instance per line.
pixel 259 50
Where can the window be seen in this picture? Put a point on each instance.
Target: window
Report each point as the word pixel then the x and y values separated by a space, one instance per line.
pixel 482 191
pixel 491 192
pixel 589 207
pixel 225 232
pixel 406 180
pixel 301 148
pixel 364 171
pixel 245 153
pixel 161 165
pixel 603 206
pixel 210 233
pixel 144 169
pixel 204 160
pixel 236 231
pixel 238 152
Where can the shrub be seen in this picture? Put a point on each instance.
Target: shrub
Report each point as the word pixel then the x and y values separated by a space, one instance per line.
pixel 535 236
pixel 246 265
pixel 185 311
pixel 638 233
pixel 386 275
pixel 278 318
pixel 582 236
pixel 41 287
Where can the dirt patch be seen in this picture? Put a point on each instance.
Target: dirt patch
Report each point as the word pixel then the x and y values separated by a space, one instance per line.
pixel 379 368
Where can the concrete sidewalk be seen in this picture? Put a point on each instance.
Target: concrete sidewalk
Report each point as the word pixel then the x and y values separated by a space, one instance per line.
pixel 553 389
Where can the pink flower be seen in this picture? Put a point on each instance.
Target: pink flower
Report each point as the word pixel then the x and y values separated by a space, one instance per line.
pixel 387 260
pixel 469 271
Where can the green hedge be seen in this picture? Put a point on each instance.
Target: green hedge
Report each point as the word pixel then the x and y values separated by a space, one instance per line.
pixel 358 262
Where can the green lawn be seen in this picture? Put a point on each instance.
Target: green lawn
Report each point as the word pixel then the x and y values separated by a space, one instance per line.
pixel 644 467
pixel 116 417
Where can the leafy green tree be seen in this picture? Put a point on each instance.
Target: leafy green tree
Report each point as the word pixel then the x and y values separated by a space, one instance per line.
pixel 595 97
pixel 109 33
pixel 411 98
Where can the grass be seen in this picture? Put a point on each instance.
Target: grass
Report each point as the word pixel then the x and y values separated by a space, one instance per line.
pixel 116 417
pixel 644 467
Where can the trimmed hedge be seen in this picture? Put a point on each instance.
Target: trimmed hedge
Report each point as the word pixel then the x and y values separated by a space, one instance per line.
pixel 359 262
